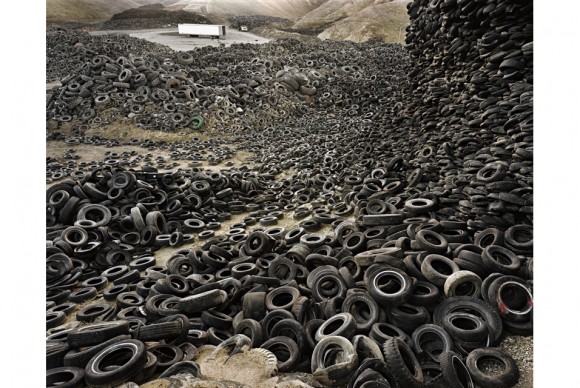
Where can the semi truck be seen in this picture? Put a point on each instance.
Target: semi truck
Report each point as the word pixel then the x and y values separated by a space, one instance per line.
pixel 214 31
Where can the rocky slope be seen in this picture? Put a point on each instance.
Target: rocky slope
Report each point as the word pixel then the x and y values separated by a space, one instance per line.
pixel 358 20
pixel 85 11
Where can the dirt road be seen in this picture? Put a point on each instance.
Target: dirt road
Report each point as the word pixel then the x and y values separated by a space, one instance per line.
pixel 170 37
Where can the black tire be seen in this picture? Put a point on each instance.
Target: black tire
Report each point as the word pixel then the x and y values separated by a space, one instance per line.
pixel 364 310
pixel 471 305
pixel 182 367
pixel 462 283
pixel 431 241
pixel 408 317
pixel 512 298
pixel 465 327
pixel 251 329
pixel 430 340
pixel 93 311
pixel 54 319
pixel 96 333
pixel 382 332
pixel 291 329
pixel 366 347
pixel 112 293
pixel 425 294
pixel 507 377
pixel 403 363
pixel 437 268
pixel 203 301
pixel 281 298
pixel 286 351
pixel 158 331
pixel 55 352
pixel 489 236
pixel 213 318
pixel 283 269
pixel 258 244
pixel 337 369
pixel 167 355
pixel 254 306
pixel 65 377
pixel 500 259
pixel 397 290
pixel 80 358
pixel 454 371
pixel 128 356
pixel 142 263
pixel 99 282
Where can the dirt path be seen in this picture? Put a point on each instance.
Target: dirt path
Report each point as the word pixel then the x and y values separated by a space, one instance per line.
pixel 170 37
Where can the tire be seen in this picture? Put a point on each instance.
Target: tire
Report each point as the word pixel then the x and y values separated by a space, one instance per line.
pixel 291 329
pixel 437 268
pixel 512 297
pixel 507 377
pixel 158 331
pixel 432 351
pixel 286 351
pixel 399 291
pixel 132 356
pixel 254 306
pixel 251 329
pixel 213 318
pixel 258 244
pixel 462 283
pixel 167 355
pixel 465 327
pixel 471 305
pixel 366 347
pixel 82 357
pixel 425 294
pixel 431 241
pixel 454 372
pixel 344 361
pixel 203 301
pixel 94 311
pixel 54 319
pixel 403 363
pixel 342 325
pixel 182 367
pixel 65 377
pixel 55 352
pixel 97 333
pixel 382 332
pixel 408 317
pixel 500 259
pixel 281 298
pixel 489 236
pixel 364 310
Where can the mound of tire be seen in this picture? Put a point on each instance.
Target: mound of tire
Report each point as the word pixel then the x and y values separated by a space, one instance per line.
pixel 424 187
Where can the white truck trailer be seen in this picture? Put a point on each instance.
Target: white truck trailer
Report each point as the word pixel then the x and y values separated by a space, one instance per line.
pixel 211 30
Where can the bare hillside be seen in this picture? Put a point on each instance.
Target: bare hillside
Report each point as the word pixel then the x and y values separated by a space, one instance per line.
pixel 85 11
pixel 358 20
pixel 92 11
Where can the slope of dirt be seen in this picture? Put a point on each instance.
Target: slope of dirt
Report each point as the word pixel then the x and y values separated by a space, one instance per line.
pixel 358 20
pixel 85 11
pixel 290 9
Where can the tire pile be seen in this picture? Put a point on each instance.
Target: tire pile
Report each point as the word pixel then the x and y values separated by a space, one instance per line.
pixel 68 48
pixel 429 198
pixel 240 86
